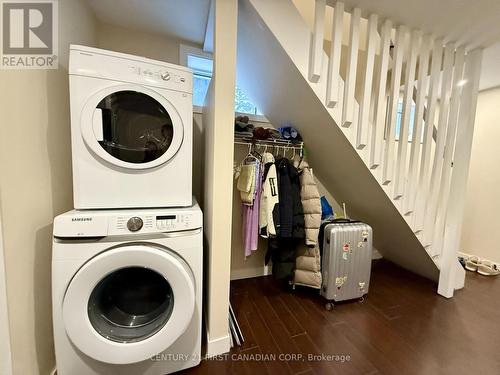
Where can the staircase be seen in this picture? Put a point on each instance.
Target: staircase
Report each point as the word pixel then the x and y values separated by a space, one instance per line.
pixel 344 101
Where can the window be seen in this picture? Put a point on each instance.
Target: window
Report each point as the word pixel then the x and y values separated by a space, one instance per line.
pixel 399 119
pixel 202 65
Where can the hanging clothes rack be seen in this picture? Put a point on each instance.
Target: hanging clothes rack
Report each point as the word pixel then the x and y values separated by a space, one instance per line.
pixel 277 144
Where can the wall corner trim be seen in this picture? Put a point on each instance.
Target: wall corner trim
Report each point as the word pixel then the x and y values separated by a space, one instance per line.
pixel 217 346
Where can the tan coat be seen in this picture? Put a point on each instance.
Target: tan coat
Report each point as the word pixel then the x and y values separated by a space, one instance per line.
pixel 308 262
pixel 311 202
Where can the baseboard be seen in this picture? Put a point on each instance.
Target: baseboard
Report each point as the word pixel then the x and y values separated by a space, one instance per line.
pixel 217 346
pixel 247 273
pixel 376 254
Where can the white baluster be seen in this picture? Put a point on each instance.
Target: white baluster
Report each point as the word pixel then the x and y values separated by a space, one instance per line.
pixel 352 64
pixel 444 188
pixel 399 46
pixel 422 86
pixel 316 52
pixel 455 211
pixel 423 175
pixel 444 104
pixel 405 119
pixel 364 107
pixel 380 105
pixel 332 86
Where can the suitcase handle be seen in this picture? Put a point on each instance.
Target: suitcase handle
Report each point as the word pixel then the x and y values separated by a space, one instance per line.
pixel 343 220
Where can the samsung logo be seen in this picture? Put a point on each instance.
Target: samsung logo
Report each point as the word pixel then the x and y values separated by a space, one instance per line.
pixel 81 219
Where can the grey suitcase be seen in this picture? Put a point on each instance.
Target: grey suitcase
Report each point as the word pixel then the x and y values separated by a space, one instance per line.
pixel 346 261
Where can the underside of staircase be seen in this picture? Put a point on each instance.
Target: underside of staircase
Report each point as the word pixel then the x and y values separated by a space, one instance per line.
pixel 273 60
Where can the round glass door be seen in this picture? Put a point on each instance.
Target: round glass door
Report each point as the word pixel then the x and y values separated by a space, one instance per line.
pixel 135 127
pixel 132 126
pixel 130 304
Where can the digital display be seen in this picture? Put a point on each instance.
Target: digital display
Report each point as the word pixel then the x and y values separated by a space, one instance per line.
pixel 166 217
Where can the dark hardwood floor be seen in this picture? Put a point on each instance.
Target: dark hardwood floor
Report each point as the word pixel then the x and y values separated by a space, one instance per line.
pixel 401 328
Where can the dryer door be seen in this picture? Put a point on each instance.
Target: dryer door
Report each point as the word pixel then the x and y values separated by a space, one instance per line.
pixel 129 303
pixel 132 126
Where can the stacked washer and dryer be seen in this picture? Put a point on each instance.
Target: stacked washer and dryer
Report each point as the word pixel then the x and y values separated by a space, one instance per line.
pixel 127 262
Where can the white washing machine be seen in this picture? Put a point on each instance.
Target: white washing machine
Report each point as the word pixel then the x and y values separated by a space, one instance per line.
pixel 127 291
pixel 131 130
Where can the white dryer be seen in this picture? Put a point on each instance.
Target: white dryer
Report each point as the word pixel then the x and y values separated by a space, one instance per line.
pixel 127 291
pixel 131 130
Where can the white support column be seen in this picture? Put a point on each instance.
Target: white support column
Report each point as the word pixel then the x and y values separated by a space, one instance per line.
pixel 380 105
pixel 423 175
pixel 352 64
pixel 454 218
pixel 364 108
pixel 409 83
pixel 444 104
pixel 218 116
pixel 316 53
pixel 422 86
pixel 333 83
pixel 444 186
pixel 390 140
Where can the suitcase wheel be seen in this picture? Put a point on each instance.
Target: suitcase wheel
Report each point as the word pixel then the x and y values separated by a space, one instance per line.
pixel 329 306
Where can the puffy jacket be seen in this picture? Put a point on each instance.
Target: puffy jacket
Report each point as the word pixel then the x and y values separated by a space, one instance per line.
pixel 308 262
pixel 311 202
pixel 308 267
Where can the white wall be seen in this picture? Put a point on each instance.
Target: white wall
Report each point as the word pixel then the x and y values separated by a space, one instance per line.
pixel 153 46
pixel 482 212
pixel 5 354
pixel 35 186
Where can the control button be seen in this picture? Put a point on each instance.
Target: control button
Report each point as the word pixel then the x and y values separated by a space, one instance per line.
pixel 134 224
pixel 165 76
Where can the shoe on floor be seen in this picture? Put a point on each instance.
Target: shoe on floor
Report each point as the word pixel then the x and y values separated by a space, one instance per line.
pixel 472 263
pixel 487 268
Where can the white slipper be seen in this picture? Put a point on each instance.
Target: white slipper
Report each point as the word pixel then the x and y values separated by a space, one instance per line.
pixel 488 268
pixel 472 263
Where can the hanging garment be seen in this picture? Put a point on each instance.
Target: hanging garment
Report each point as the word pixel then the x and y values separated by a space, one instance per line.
pixel 246 183
pixel 308 267
pixel 250 227
pixel 308 264
pixel 269 201
pixel 290 230
pixel 282 251
pixel 291 223
pixel 311 202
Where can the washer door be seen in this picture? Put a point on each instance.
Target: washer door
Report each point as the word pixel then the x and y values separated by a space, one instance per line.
pixel 132 127
pixel 129 303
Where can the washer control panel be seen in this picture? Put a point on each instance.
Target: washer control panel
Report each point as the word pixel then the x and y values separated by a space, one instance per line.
pixel 134 224
pixel 153 223
pixel 104 223
pixel 173 222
